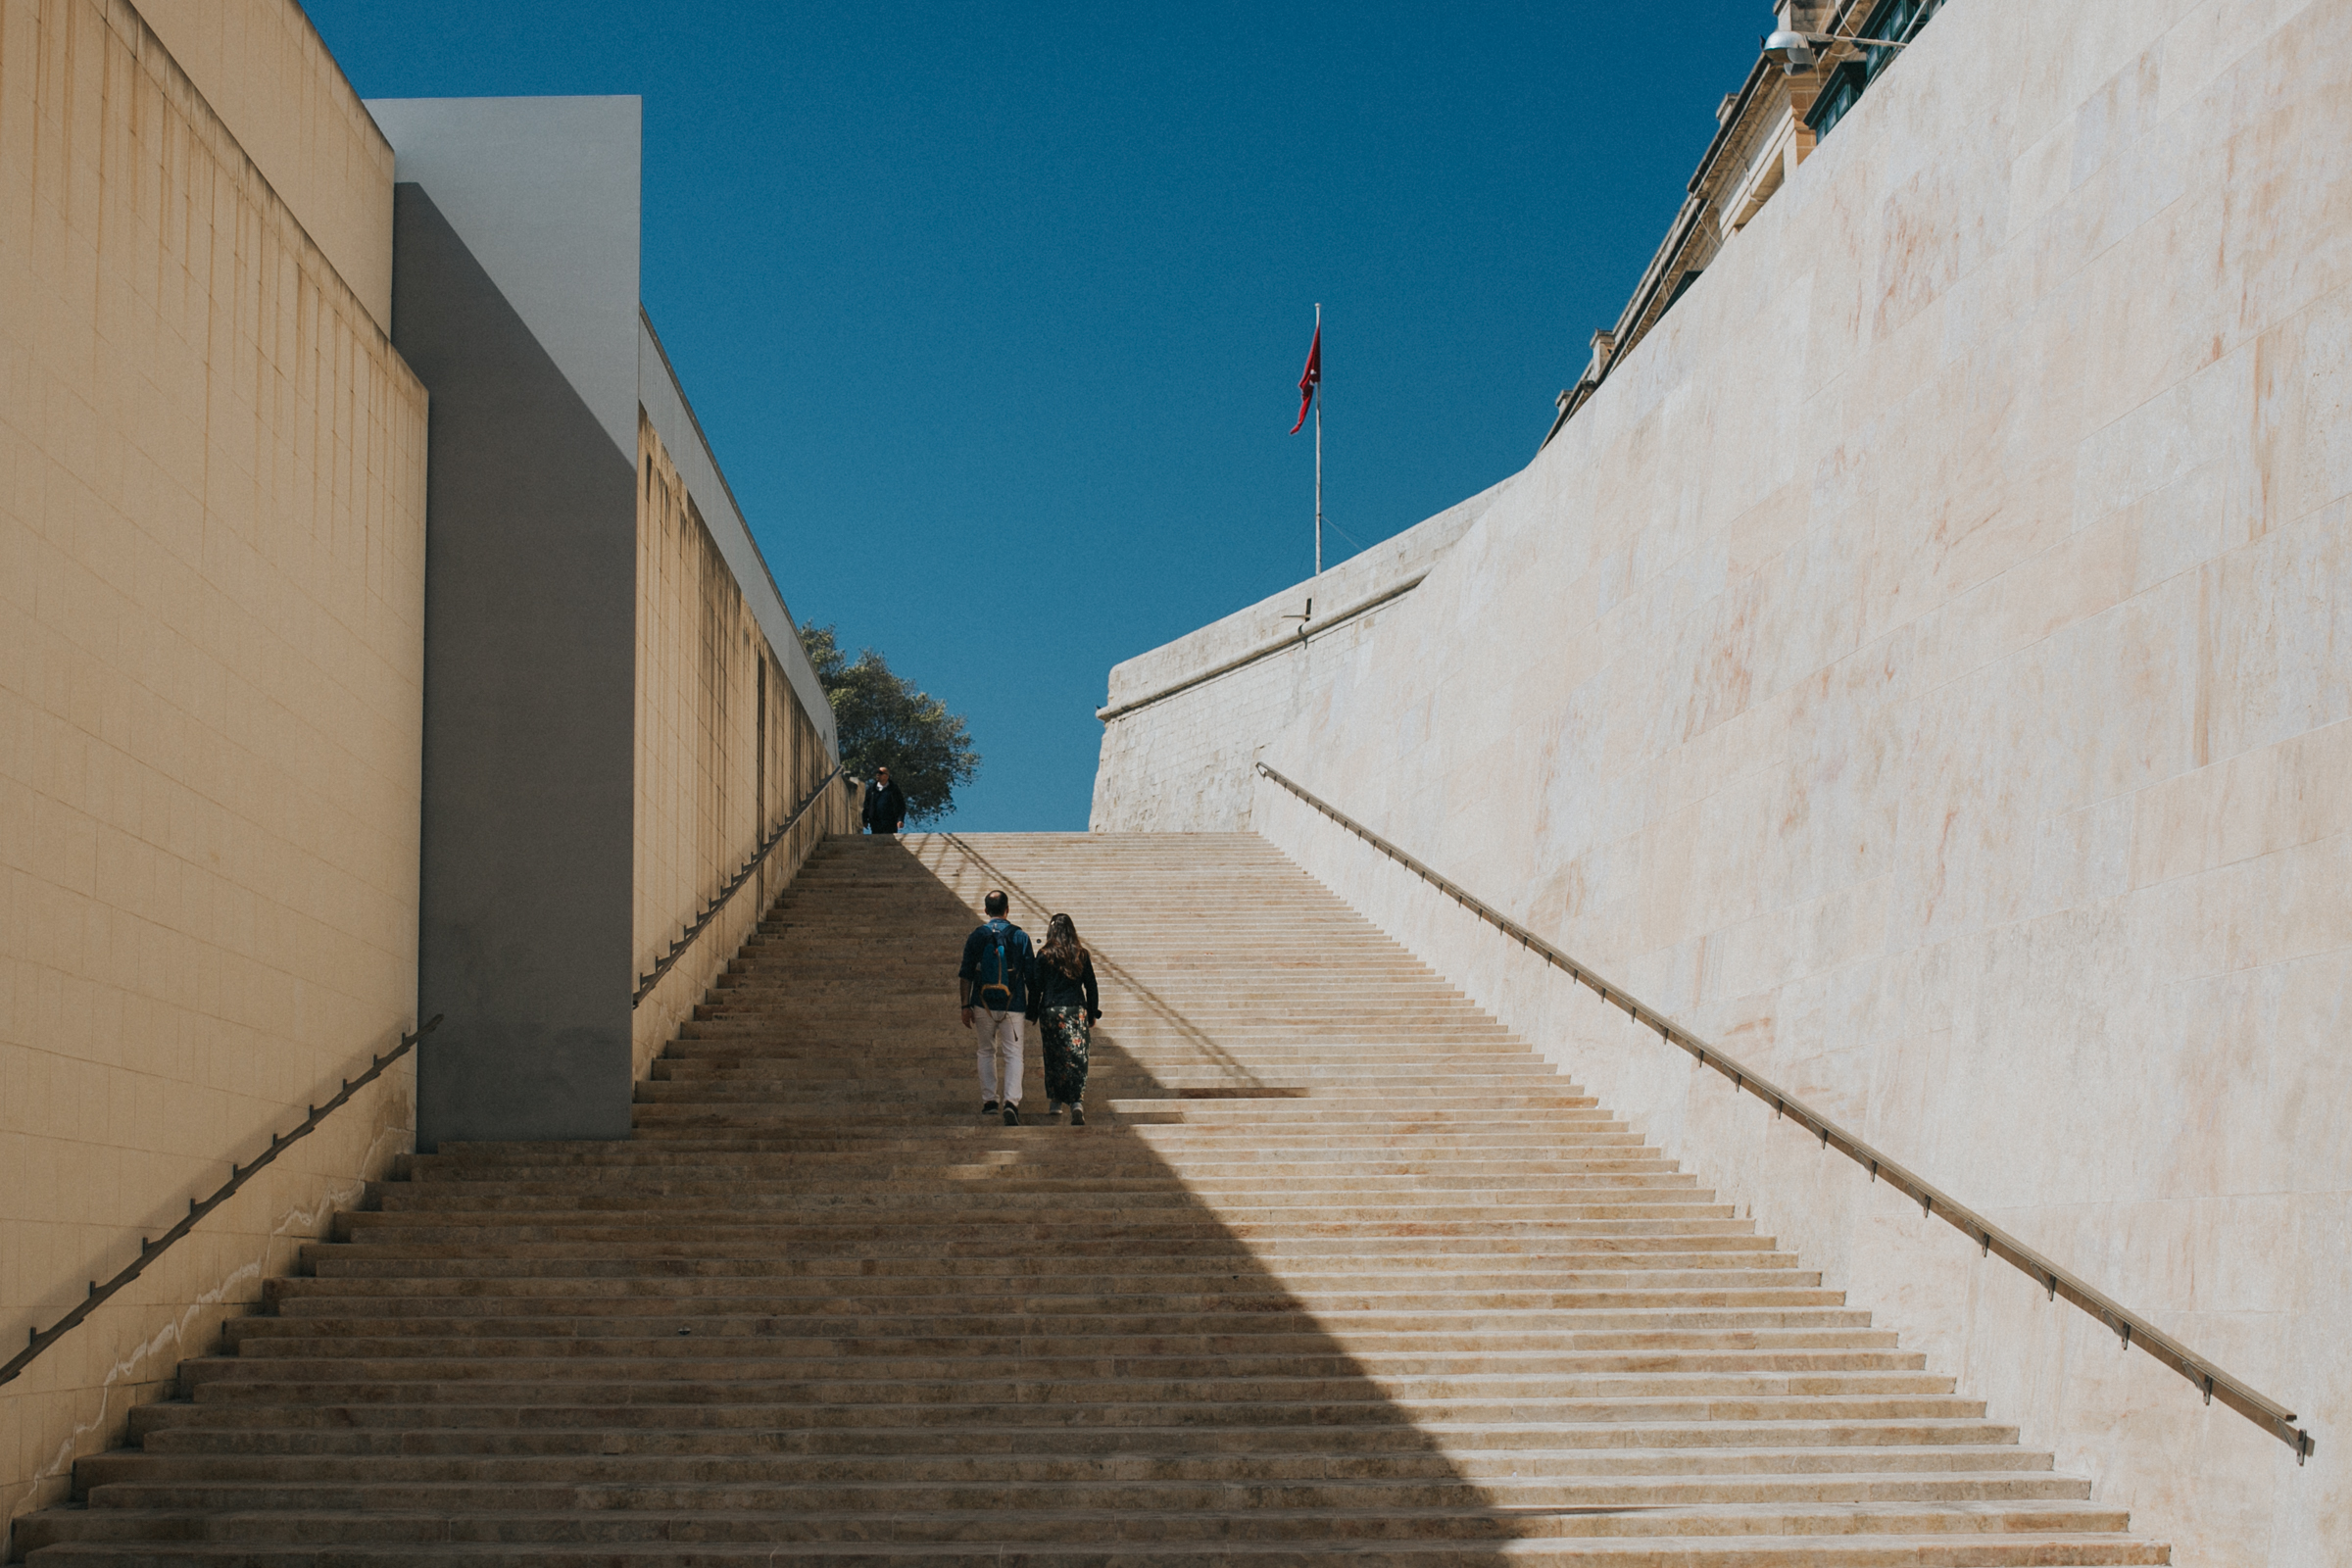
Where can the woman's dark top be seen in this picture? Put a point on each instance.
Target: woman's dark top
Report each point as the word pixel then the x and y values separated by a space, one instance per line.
pixel 1048 987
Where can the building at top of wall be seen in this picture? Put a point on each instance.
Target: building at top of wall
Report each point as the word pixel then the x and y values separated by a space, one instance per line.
pixel 1763 131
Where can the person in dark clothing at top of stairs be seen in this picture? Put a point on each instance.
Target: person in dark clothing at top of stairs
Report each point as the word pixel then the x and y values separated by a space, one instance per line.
pixel 885 805
pixel 993 989
pixel 1063 1003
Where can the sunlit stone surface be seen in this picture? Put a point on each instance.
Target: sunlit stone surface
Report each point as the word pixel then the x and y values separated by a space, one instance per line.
pixel 1923 668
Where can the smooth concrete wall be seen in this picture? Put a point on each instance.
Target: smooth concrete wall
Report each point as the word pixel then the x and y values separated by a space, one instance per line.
pixel 725 752
pixel 1183 721
pixel 529 739
pixel 212 558
pixel 616 694
pixel 546 194
pixel 1922 669
pixel 263 70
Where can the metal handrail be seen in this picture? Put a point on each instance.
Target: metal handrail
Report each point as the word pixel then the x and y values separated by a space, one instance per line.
pixel 677 949
pixel 2256 1407
pixel 238 1176
pixel 1308 628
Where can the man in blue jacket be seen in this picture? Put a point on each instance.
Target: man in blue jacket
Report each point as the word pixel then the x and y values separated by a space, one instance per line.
pixel 993 989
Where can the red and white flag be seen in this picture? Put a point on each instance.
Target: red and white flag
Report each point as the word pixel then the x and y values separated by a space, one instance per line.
pixel 1312 378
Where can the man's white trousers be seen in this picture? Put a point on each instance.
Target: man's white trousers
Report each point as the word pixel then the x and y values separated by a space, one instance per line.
pixel 1000 1054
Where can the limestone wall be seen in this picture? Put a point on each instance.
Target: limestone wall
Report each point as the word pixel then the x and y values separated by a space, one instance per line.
pixel 1923 669
pixel 211 532
pixel 725 751
pixel 1183 721
pixel 264 72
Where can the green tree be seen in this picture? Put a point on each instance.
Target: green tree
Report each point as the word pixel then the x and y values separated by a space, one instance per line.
pixel 883 721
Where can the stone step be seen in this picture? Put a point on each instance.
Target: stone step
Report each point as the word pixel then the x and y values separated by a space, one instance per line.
pixel 1046 1173
pixel 353 1309
pixel 735 1426
pixel 1980 1535
pixel 1333 1401
pixel 1380 1452
pixel 1227 1359
pixel 479 1487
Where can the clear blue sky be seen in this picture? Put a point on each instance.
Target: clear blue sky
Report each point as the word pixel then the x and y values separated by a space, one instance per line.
pixel 995 316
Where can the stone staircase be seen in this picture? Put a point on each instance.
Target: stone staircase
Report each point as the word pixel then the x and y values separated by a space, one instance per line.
pixel 1338 1266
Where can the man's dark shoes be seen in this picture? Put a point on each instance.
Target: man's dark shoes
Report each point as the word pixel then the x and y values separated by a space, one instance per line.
pixel 1012 1114
pixel 988 1107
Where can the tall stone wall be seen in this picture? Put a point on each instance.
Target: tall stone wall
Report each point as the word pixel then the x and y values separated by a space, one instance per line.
pixel 1924 669
pixel 264 70
pixel 1184 723
pixel 212 529
pixel 725 752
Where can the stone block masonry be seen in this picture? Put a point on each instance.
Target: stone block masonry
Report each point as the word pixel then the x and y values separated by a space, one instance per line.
pixel 1921 668
pixel 211 573
pixel 267 72
pixel 298 728
pixel 725 752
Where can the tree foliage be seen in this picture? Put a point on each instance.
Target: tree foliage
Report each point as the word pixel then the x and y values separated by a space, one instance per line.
pixel 883 721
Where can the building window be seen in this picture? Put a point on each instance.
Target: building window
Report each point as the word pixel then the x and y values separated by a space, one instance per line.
pixel 1898 19
pixel 1839 94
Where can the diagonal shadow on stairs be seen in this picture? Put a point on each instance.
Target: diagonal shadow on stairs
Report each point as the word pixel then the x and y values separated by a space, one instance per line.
pixel 1438 1307
pixel 806 1308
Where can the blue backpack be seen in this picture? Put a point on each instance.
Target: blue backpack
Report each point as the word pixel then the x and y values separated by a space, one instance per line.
pixel 996 971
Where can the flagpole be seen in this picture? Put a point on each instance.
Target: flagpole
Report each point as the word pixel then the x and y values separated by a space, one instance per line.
pixel 1318 449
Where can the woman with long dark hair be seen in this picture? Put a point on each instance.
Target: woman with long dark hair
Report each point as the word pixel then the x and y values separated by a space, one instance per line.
pixel 1064 1003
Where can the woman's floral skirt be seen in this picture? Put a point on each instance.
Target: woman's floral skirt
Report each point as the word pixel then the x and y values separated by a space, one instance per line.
pixel 1061 1040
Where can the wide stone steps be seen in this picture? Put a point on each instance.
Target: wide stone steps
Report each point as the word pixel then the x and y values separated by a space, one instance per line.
pixel 1339 1268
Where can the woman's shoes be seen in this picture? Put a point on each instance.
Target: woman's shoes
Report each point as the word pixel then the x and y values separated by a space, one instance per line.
pixel 1077 1114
